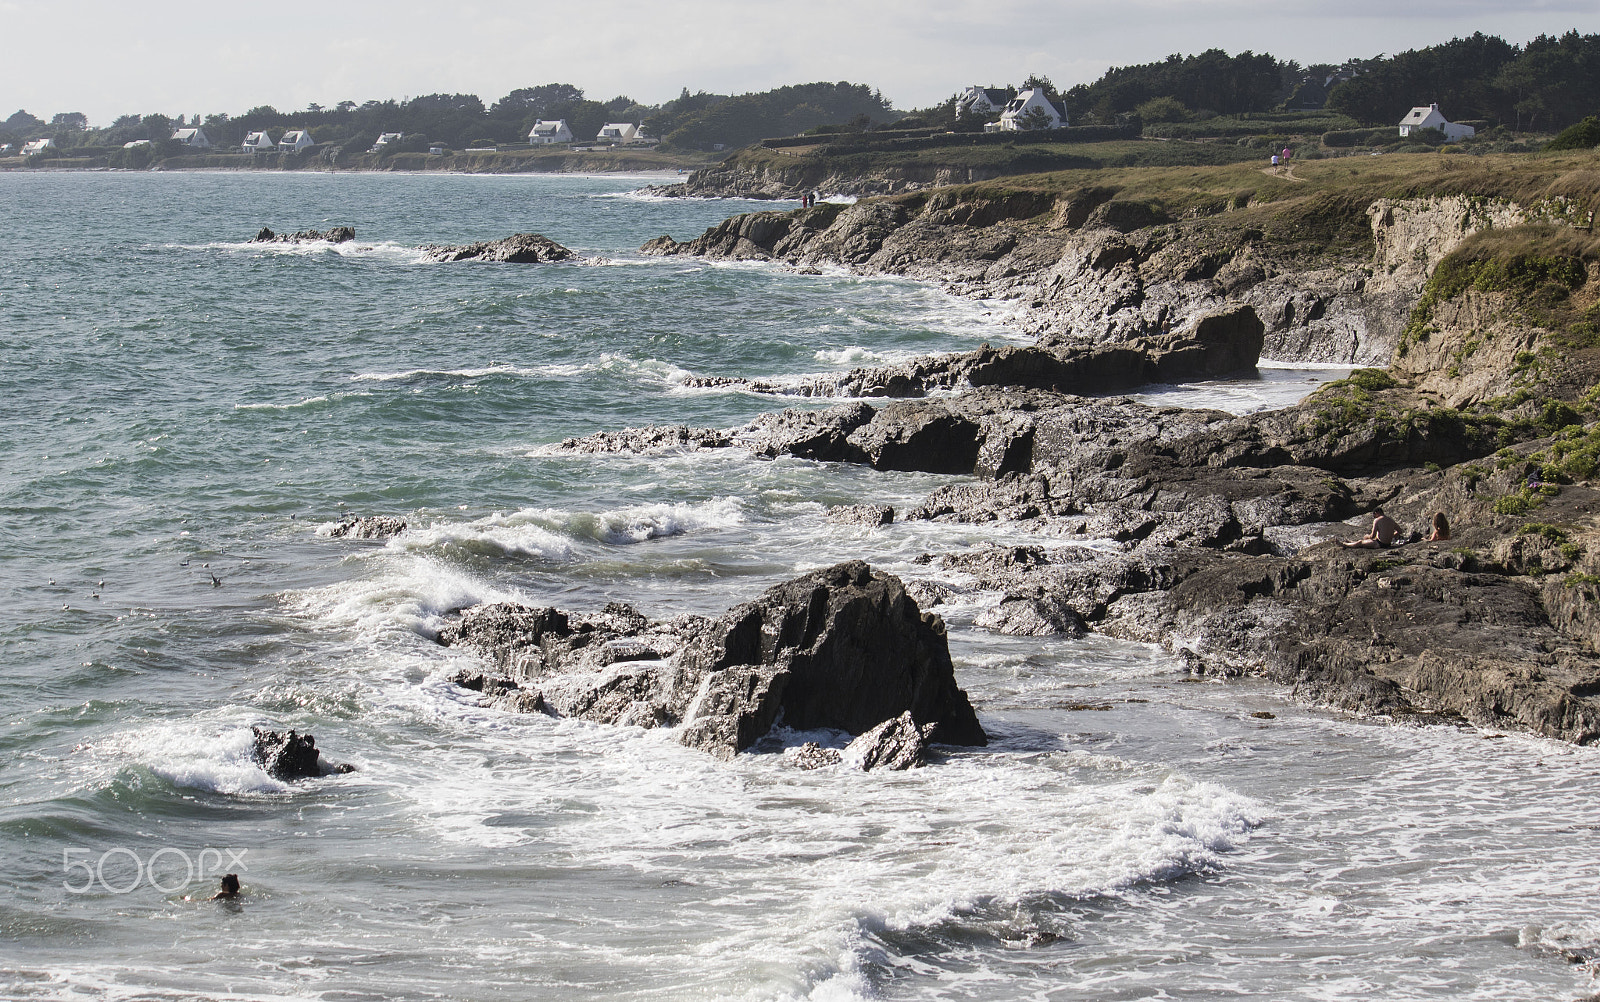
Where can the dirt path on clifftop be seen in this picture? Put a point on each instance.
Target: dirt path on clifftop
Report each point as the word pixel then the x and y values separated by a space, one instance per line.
pixel 1287 173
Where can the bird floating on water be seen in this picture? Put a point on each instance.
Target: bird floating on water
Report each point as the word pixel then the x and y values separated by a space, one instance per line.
pixel 216 582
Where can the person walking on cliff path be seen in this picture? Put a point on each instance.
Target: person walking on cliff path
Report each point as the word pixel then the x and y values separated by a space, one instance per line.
pixel 1274 160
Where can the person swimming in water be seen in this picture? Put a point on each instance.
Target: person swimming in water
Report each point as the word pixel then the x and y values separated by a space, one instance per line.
pixel 229 889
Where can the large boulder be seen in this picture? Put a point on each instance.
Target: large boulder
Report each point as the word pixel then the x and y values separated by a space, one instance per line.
pixel 842 648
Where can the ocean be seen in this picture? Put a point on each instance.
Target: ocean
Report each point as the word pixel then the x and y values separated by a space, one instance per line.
pixel 181 405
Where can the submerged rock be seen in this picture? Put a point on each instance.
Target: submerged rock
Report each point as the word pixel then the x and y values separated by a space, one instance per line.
pixel 520 248
pixel 336 235
pixel 291 756
pixel 370 527
pixel 842 648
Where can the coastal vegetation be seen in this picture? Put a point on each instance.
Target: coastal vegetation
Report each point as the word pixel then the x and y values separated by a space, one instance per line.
pixel 1211 108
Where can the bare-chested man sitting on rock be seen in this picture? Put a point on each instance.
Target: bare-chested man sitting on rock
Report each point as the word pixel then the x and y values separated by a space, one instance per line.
pixel 1383 533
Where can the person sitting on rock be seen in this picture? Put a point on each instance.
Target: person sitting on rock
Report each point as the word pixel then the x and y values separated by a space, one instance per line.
pixel 1383 532
pixel 229 889
pixel 1441 528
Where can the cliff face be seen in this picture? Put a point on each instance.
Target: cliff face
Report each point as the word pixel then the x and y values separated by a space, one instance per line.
pixel 1086 266
pixel 792 176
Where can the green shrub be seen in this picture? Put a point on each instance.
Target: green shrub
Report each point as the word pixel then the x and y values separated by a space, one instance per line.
pixel 1514 504
pixel 1583 136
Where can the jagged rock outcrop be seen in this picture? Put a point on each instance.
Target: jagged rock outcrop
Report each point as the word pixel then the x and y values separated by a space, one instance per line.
pixel 1221 343
pixel 896 744
pixel 291 756
pixel 843 648
pixel 336 235
pixel 369 527
pixel 520 248
pixel 1088 266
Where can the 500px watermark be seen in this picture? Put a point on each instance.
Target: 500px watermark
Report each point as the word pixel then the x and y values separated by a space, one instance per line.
pixel 169 870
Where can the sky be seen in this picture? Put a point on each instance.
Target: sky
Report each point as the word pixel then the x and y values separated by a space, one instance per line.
pixel 110 57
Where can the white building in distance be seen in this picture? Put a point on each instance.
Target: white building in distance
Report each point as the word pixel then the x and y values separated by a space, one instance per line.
pixel 1029 107
pixel 38 146
pixel 618 132
pixel 192 137
pixel 1431 118
pixel 258 142
pixel 296 141
pixel 385 140
pixel 981 102
pixel 544 133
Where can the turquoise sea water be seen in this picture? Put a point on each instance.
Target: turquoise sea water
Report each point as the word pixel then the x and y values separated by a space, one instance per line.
pixel 179 404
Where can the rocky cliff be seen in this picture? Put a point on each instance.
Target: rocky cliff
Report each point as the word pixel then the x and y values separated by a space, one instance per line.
pixel 1333 278
pixel 1216 536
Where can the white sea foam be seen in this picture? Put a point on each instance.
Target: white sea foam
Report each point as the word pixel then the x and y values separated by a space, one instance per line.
pixel 410 595
pixel 382 250
pixel 195 755
pixel 853 355
pixel 645 370
pixel 466 373
pixel 553 533
pixel 304 402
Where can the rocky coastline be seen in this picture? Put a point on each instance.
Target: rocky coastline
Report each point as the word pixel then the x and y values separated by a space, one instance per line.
pixel 1216 536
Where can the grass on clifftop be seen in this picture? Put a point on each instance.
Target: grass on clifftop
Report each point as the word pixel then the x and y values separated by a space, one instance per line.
pixel 1322 204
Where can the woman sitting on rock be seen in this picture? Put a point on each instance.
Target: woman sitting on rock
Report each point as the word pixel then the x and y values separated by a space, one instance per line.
pixel 1382 535
pixel 1441 528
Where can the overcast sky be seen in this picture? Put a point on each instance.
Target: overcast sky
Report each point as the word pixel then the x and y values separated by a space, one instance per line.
pixel 111 57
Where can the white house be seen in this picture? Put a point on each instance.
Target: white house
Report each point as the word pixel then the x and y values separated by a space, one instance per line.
pixel 192 137
pixel 1019 115
pixel 618 132
pixel 258 142
pixel 296 141
pixel 38 146
pixel 981 102
pixel 550 132
pixel 136 144
pixel 7 149
pixel 1430 118
pixel 385 140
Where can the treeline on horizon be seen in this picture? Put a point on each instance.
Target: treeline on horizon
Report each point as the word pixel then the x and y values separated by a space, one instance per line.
pixel 1546 85
pixel 690 121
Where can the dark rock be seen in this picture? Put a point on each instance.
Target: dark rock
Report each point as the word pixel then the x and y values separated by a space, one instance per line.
pixel 520 248
pixel 856 649
pixel 842 648
pixel 291 756
pixel 872 515
pixel 336 235
pixel 371 527
pixel 895 744
pixel 1221 342
pixel 1039 615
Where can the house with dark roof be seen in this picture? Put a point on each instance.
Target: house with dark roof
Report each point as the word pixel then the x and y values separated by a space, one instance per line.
pixel 981 102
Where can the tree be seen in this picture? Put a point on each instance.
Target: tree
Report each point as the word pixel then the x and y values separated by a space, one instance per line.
pixel 535 101
pixel 1034 120
pixel 71 121
pixel 1039 81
